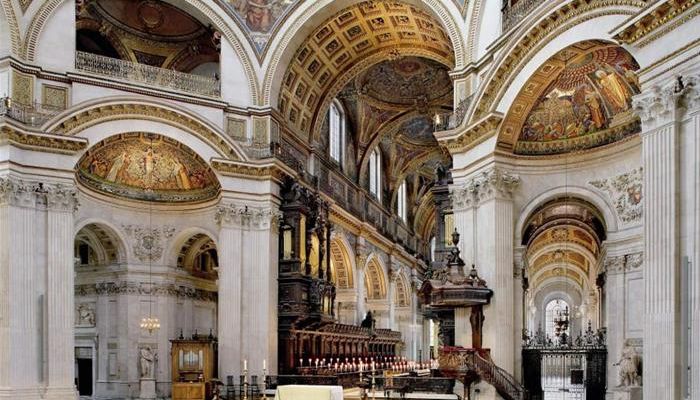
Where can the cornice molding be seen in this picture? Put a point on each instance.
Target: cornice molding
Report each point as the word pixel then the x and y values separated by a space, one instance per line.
pixel 458 142
pixel 639 30
pixel 41 142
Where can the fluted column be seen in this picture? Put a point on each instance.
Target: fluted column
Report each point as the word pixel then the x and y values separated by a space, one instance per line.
pixel 254 275
pixel 693 130
pixel 615 311
pixel 488 230
pixel 61 203
pixel 660 109
pixel 518 308
pixel 360 263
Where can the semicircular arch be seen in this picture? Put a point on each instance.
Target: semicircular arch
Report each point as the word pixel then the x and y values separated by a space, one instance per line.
pixel 375 279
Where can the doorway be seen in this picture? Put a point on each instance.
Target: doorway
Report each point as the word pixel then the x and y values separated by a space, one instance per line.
pixel 84 372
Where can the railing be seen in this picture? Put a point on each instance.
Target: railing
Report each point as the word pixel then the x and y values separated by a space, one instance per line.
pixel 142 73
pixel 35 114
pixel 447 121
pixel 462 361
pixel 513 14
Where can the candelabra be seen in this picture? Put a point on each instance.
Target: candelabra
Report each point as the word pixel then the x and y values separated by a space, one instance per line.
pixel 264 382
pixel 245 382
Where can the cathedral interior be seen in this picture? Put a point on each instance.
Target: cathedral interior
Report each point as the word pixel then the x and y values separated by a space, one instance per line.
pixel 349 199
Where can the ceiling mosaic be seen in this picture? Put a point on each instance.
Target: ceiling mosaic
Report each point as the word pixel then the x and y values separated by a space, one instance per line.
pixel 147 32
pixel 147 167
pixel 579 99
pixel 349 43
pixel 260 19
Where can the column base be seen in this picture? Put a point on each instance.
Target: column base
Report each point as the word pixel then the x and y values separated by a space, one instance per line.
pixel 625 393
pixel 148 389
pixel 21 394
pixel 68 393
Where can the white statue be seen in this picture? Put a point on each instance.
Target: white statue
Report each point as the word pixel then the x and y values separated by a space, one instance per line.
pixel 86 315
pixel 147 360
pixel 629 367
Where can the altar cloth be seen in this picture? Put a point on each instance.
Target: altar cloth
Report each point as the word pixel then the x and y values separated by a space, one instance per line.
pixel 308 392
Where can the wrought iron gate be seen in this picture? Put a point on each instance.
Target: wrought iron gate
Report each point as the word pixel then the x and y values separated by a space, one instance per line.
pixel 569 371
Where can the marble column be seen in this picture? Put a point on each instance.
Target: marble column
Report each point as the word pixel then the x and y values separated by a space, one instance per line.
pixel 660 109
pixel 492 233
pixel 518 308
pixel 361 255
pixel 692 130
pixel 61 203
pixel 615 311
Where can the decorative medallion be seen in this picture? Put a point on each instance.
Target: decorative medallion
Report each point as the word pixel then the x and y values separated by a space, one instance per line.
pixel 148 167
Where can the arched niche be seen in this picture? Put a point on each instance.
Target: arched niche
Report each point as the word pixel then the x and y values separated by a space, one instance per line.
pixel 97 245
pixel 375 282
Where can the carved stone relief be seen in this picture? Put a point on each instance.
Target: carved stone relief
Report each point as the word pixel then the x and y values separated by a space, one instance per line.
pixel 625 192
pixel 627 263
pixel 85 315
pixel 148 242
pixel 141 288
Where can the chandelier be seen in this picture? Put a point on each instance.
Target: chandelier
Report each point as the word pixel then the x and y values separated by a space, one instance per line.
pixel 561 321
pixel 150 323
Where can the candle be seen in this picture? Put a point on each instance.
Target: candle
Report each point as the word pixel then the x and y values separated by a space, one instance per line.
pixel 245 365
pixel 301 362
pixel 264 365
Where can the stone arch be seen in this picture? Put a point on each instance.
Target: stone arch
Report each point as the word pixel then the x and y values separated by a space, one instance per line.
pixel 176 244
pixel 85 116
pixel 375 279
pixel 208 10
pixel 532 43
pixel 9 27
pixel 402 297
pixel 343 262
pixel 285 47
pixel 106 240
pixel 601 204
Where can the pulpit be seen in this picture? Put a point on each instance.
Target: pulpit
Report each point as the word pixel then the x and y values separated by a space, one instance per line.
pixel 193 366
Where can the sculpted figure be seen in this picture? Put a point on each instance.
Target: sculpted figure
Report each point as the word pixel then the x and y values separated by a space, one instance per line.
pixel 629 367
pixel 147 358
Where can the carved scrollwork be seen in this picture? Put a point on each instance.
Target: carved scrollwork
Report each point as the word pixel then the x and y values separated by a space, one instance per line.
pixel 147 242
pixel 242 216
pixel 52 196
pixel 487 185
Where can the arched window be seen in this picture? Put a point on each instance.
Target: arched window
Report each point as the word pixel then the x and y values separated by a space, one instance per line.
pixel 554 308
pixel 375 174
pixel 402 202
pixel 336 120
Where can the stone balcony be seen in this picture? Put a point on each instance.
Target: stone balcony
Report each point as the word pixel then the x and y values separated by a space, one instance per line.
pixel 130 72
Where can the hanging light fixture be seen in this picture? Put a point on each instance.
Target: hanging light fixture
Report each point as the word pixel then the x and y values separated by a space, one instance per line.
pixel 150 323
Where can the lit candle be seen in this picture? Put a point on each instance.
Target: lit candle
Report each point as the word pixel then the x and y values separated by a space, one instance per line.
pixel 245 365
pixel 301 362
pixel 264 364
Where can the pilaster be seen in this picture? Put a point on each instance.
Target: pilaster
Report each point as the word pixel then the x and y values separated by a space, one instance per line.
pixel 483 208
pixel 660 109
pixel 248 318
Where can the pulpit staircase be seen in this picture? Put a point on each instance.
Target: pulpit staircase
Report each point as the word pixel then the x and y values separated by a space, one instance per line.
pixel 468 365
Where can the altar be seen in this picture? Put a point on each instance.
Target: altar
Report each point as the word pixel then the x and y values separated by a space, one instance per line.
pixel 308 392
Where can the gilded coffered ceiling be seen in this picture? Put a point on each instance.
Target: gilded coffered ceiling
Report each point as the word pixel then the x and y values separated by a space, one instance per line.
pixel 349 43
pixel 579 99
pixel 145 31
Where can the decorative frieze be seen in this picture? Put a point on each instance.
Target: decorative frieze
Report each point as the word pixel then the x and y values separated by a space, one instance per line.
pixel 242 216
pixel 625 192
pixel 487 185
pixel 54 196
pixel 145 289
pixel 147 242
pixel 626 263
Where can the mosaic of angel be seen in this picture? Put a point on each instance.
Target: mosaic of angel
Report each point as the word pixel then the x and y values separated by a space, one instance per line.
pixel 585 98
pixel 147 164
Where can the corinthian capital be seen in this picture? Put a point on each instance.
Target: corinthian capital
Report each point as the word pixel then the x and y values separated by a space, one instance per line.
pixel 463 197
pixel 61 198
pixel 242 216
pixel 661 105
pixel 495 183
pixel 16 192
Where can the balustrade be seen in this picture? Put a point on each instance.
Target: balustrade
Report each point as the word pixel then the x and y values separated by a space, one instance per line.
pixel 35 114
pixel 146 74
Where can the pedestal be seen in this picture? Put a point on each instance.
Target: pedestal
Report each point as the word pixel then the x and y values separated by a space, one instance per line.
pixel 625 393
pixel 148 388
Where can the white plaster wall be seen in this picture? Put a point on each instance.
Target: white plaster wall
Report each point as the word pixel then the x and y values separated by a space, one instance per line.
pixel 490 26
pixel 234 83
pixel 55 49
